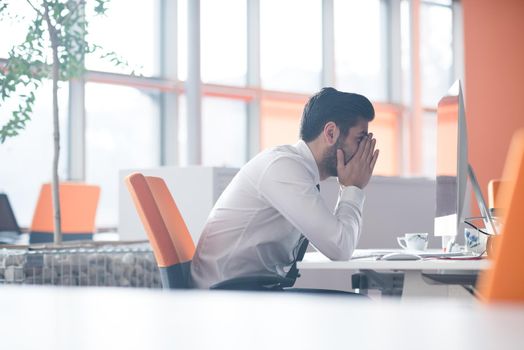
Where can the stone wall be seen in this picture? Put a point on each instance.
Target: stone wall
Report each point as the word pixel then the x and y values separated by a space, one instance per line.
pixel 117 265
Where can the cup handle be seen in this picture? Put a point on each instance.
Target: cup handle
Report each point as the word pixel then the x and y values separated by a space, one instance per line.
pixel 402 242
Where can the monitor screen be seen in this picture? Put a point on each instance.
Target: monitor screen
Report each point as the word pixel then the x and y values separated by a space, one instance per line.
pixel 7 217
pixel 452 162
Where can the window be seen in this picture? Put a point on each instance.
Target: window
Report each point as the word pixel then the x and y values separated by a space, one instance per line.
pixel 405 51
pixel 123 122
pixel 386 128
pixel 436 61
pixel 436 52
pixel 121 133
pixel 224 41
pixel 360 63
pixel 280 121
pixel 435 55
pixel 224 136
pixel 182 130
pixel 291 45
pixel 129 29
pixel 14 20
pixel 224 132
pixel 182 39
pixel 27 158
pixel 280 124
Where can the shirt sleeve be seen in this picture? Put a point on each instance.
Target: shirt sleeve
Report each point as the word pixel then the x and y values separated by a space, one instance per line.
pixel 289 188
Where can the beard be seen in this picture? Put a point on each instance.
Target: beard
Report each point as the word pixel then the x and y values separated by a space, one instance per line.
pixel 329 161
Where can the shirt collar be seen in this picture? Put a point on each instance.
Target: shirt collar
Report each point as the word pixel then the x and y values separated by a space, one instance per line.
pixel 305 152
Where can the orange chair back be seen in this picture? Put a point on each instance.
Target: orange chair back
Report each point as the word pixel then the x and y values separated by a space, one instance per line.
pixel 504 281
pixel 78 204
pixel 166 229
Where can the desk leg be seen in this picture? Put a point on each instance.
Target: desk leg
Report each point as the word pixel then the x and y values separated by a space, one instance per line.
pixel 415 286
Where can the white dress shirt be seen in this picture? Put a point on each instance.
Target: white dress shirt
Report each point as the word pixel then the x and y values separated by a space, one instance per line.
pixel 256 224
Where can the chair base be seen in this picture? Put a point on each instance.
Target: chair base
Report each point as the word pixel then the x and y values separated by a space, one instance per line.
pixel 46 237
pixel 255 283
pixel 324 292
pixel 175 276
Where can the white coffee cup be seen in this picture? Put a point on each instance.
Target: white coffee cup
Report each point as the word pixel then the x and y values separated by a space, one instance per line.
pixel 414 241
pixel 475 240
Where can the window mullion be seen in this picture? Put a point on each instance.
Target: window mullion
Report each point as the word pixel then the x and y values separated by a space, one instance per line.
pixel 76 134
pixel 328 43
pixel 253 77
pixel 168 71
pixel 193 85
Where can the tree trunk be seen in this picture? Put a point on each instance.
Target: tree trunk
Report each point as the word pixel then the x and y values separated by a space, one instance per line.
pixel 56 130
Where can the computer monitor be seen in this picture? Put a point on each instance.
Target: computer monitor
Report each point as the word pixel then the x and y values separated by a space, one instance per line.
pixel 452 164
pixel 484 212
pixel 9 229
pixel 7 217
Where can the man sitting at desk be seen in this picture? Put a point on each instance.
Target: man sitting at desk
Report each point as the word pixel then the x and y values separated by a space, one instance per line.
pixel 262 218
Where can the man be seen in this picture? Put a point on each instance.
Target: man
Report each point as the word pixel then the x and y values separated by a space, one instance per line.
pixel 256 226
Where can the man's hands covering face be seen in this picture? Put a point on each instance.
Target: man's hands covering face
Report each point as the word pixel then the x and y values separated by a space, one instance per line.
pixel 358 170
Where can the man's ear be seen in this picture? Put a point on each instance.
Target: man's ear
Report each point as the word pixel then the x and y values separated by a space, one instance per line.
pixel 331 132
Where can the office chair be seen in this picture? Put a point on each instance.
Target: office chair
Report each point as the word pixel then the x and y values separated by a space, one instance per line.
pixel 78 204
pixel 504 281
pixel 172 244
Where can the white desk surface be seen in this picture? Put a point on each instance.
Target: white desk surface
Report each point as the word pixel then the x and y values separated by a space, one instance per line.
pixel 104 318
pixel 316 260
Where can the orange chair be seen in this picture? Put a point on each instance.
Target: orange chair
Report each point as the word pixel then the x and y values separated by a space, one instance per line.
pixel 170 239
pixel 78 203
pixel 504 281
pixel 167 232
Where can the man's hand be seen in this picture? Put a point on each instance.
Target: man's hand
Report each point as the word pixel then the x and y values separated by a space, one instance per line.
pixel 358 170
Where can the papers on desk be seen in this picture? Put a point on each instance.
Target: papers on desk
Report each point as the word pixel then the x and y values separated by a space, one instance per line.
pixel 443 254
pixel 368 253
pixel 429 254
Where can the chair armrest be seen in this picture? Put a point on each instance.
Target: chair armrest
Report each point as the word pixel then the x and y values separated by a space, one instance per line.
pixel 254 283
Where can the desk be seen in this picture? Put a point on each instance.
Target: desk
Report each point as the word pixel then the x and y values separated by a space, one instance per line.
pixel 414 285
pixel 121 318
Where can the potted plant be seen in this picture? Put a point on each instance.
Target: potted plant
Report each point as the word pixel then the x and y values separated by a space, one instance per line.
pixel 54 48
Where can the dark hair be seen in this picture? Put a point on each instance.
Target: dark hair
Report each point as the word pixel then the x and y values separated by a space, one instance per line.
pixel 331 105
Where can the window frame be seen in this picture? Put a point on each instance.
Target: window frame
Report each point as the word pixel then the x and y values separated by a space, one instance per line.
pixel 408 113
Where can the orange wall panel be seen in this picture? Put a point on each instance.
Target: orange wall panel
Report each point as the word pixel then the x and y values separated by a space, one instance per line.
pixel 494 81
